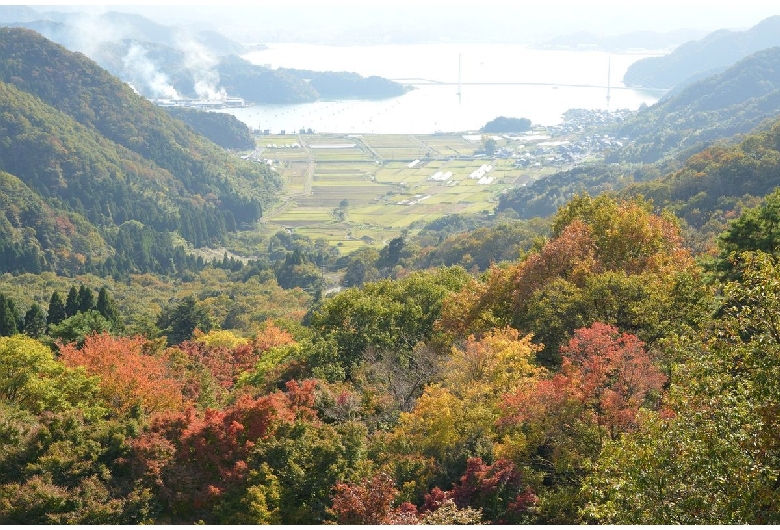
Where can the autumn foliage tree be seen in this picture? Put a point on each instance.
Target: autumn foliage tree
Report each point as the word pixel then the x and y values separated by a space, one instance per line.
pixel 371 502
pixel 591 238
pixel 614 374
pixel 199 465
pixel 455 418
pixel 129 376
pixel 227 356
pixel 498 489
pixel 559 424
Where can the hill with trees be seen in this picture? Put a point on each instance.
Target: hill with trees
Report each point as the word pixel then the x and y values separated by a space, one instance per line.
pixel 223 129
pixel 704 57
pixel 348 85
pixel 85 143
pixel 506 125
pixel 721 106
pixel 717 184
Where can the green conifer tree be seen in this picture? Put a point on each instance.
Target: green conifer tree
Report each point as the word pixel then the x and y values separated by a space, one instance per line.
pixel 35 321
pixel 107 307
pixel 9 317
pixel 86 299
pixel 72 302
pixel 56 313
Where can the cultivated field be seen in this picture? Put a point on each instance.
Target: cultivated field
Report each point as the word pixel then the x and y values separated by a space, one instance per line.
pixel 391 182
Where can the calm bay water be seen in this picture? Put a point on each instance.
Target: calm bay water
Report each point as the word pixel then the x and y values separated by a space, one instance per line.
pixel 495 80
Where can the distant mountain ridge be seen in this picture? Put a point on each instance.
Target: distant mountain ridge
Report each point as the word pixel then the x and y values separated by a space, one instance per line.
pixel 646 40
pixel 711 54
pixel 170 63
pixel 86 32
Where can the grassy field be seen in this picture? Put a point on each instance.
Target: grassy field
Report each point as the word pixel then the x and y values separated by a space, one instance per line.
pixel 390 182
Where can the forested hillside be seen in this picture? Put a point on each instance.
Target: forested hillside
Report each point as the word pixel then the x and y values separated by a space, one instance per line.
pixel 557 388
pixel 707 56
pixel 718 107
pixel 222 128
pixel 715 185
pixel 84 142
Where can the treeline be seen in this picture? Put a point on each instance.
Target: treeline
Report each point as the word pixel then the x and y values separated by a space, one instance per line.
pixel 543 197
pixel 472 242
pixel 63 318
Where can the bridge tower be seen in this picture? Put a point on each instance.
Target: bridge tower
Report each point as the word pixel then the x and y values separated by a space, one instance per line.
pixel 609 79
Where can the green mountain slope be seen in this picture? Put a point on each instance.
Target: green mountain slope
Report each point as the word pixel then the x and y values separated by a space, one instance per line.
pixel 86 144
pixel 715 185
pixel 78 87
pixel 221 128
pixel 713 53
pixel 35 236
pixel 720 106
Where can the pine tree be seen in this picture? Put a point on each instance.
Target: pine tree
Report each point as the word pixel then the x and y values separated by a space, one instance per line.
pixel 35 321
pixel 72 302
pixel 107 307
pixel 180 321
pixel 86 299
pixel 57 311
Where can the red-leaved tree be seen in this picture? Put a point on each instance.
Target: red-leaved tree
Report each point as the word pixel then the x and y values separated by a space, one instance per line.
pixel 371 502
pixel 613 373
pixel 192 461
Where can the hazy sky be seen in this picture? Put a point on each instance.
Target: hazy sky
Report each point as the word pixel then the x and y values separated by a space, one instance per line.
pixel 526 20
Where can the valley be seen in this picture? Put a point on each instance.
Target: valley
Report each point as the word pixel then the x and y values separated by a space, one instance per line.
pixel 364 190
pixel 203 323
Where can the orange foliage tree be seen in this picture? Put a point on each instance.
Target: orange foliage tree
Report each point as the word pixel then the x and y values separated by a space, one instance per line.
pixel 590 237
pixel 129 376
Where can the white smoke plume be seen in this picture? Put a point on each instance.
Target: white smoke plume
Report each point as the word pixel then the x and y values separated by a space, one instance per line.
pixel 90 30
pixel 141 66
pixel 202 65
pixel 86 33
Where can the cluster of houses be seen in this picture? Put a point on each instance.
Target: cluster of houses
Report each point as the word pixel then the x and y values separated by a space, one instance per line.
pixel 570 142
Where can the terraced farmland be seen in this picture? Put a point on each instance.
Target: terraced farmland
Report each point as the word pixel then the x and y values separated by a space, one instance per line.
pixel 356 190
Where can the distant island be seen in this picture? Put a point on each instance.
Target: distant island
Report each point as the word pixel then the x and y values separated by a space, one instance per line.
pixel 506 125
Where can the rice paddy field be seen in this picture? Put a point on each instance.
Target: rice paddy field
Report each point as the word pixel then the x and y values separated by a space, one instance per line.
pixel 358 190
